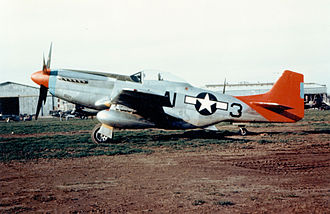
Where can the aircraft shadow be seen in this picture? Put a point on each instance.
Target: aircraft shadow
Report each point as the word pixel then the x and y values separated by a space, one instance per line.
pixel 176 136
pixel 195 134
pixel 292 132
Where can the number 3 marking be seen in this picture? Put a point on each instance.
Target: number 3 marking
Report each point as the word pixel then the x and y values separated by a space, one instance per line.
pixel 238 112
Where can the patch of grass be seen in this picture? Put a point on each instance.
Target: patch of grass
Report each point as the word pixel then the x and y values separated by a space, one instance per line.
pixel 59 146
pixel 177 140
pixel 78 144
pixel 283 140
pixel 224 203
pixel 125 142
pixel 46 125
pixel 316 115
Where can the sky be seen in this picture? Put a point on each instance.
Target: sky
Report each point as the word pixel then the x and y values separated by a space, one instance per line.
pixel 203 42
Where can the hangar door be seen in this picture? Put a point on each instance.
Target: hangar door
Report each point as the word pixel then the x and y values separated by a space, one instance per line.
pixel 9 105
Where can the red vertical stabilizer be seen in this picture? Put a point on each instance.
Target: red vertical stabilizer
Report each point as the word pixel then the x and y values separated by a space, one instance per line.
pixel 284 102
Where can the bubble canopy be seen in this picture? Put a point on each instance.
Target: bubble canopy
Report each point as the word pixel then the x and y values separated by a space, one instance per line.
pixel 155 75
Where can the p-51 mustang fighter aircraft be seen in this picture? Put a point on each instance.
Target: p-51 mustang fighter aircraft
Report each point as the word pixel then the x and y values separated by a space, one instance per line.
pixel 160 100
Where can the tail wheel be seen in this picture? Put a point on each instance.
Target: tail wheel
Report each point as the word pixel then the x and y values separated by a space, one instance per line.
pixel 98 137
pixel 243 131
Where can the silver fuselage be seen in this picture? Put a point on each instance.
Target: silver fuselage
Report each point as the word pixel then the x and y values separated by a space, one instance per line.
pixel 191 107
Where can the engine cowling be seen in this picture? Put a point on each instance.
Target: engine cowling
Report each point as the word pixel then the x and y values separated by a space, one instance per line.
pixel 121 119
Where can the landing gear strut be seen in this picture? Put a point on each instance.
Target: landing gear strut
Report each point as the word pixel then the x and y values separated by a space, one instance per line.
pixel 97 137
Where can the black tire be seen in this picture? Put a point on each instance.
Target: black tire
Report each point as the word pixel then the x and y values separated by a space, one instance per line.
pixel 97 137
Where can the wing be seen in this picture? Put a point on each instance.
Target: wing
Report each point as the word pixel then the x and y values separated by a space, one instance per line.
pixel 141 101
pixel 150 107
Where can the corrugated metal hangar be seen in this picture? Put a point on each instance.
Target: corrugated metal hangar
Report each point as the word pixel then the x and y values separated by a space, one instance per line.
pixel 242 89
pixel 19 99
pixel 315 94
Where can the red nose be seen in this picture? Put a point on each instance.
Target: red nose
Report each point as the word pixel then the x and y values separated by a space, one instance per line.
pixel 41 78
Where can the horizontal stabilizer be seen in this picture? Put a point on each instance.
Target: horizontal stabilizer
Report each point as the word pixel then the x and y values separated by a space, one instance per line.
pixel 275 107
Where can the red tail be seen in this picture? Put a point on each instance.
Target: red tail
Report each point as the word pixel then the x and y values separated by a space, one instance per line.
pixel 284 102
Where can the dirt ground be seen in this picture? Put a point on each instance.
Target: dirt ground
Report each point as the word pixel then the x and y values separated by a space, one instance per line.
pixel 253 177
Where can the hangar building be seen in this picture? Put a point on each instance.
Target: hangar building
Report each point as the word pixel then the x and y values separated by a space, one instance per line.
pixel 314 93
pixel 16 99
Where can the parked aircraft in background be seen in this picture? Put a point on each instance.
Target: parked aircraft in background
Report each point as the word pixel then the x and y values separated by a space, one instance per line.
pixel 77 112
pixel 160 100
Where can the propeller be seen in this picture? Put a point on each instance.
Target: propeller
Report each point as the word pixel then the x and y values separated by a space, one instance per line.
pixel 224 87
pixel 42 98
pixel 43 89
pixel 49 56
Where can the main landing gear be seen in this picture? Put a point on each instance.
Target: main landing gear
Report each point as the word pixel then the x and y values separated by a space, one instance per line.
pixel 98 137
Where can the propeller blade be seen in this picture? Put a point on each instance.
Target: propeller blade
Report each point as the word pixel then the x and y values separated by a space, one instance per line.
pixel 224 87
pixel 42 98
pixel 49 55
pixel 44 67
